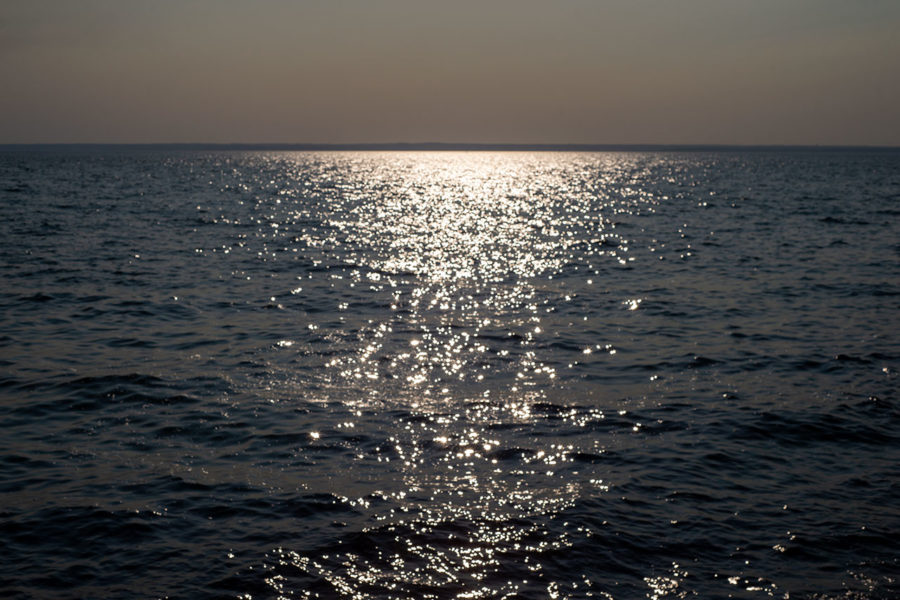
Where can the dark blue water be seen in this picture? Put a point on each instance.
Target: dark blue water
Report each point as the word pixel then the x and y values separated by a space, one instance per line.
pixel 449 375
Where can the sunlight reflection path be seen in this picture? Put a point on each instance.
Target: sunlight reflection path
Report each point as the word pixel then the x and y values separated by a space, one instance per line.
pixel 453 273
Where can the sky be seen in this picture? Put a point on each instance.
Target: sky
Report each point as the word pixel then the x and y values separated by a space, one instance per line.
pixel 488 71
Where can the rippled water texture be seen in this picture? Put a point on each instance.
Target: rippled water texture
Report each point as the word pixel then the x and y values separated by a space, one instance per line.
pixel 449 375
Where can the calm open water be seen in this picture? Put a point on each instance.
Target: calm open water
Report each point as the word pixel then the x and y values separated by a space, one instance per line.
pixel 449 375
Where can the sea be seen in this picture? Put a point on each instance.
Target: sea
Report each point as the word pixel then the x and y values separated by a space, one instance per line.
pixel 353 374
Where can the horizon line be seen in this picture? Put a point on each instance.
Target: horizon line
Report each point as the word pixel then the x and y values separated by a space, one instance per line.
pixel 434 146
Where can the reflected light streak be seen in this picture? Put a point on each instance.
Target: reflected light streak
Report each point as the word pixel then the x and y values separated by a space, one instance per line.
pixel 446 271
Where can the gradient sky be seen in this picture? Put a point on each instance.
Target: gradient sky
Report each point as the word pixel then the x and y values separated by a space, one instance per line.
pixel 488 71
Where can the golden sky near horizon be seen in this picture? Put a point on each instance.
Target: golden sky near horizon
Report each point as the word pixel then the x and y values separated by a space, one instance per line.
pixel 495 71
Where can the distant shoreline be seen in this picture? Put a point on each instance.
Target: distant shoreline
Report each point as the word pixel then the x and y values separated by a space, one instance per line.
pixel 450 147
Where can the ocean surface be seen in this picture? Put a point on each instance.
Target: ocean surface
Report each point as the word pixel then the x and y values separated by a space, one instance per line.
pixel 467 375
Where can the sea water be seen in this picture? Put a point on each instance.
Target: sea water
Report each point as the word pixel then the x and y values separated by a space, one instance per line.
pixel 250 374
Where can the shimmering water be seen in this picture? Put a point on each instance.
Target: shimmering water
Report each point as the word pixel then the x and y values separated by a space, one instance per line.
pixel 449 375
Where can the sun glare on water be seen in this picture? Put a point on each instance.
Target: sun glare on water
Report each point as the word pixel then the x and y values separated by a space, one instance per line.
pixel 453 271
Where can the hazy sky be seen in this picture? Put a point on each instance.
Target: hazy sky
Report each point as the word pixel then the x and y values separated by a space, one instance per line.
pixel 521 71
